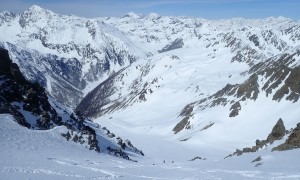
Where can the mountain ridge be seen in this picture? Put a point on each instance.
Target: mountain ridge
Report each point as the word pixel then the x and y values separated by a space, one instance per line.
pixel 30 107
pixel 160 64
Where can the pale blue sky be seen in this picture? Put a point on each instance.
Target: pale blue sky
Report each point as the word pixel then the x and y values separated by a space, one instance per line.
pixel 210 9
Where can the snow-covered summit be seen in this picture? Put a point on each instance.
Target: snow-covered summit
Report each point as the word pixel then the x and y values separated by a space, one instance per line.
pixel 37 9
pixel 132 15
pixel 88 48
pixel 193 86
pixel 153 15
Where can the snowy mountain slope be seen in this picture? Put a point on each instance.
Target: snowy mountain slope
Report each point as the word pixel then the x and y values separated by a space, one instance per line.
pixel 155 101
pixel 276 78
pixel 65 53
pixel 178 87
pixel 30 106
pixel 49 156
pixel 220 89
pixel 72 55
pixel 174 74
pixel 250 39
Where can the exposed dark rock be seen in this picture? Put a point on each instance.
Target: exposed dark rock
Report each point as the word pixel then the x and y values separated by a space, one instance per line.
pixel 227 90
pixel 67 135
pixel 247 150
pixel 291 86
pixel 187 110
pixel 186 113
pixel 258 164
pixel 278 132
pixel 197 158
pixel 254 39
pixel 178 43
pixel 257 159
pixel 261 143
pixel 207 126
pixel 18 93
pixel 184 123
pixel 142 96
pixel 235 108
pixel 118 153
pixel 249 88
pixel 281 76
pixel 5 62
pixel 92 104
pixel 6 107
pixel 292 142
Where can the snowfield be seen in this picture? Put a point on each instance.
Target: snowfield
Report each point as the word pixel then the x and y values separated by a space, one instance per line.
pixel 34 154
pixel 141 77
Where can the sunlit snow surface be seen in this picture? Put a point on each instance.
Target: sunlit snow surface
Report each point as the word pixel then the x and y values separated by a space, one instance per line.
pixel 202 67
pixel 29 154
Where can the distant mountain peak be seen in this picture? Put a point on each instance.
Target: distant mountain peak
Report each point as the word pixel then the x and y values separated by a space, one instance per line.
pixel 132 15
pixel 37 10
pixel 279 18
pixel 153 15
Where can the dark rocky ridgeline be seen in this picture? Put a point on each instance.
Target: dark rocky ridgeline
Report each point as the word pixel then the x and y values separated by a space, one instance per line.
pixel 29 105
pixel 278 132
pixel 92 104
pixel 186 113
pixel 18 95
pixel 176 44
pixel 101 100
pixel 81 133
pixel 292 142
pixel 66 84
pixel 282 81
pixel 122 146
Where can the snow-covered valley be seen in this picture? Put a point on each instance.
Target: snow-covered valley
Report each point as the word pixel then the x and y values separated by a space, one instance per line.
pixel 28 154
pixel 197 98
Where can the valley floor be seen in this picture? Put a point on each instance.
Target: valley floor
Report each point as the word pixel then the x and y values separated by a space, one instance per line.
pixel 28 154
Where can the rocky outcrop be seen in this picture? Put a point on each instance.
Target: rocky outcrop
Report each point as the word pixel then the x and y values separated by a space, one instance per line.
pixel 103 99
pixel 18 94
pixel 176 44
pixel 186 113
pixel 292 142
pixel 279 79
pixel 65 68
pixel 30 106
pixel 281 76
pixel 278 132
pixel 85 135
pixel 92 104
pixel 235 108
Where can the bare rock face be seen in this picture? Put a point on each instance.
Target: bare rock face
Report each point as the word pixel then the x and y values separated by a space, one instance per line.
pixel 294 138
pixel 184 123
pixel 278 132
pixel 235 108
pixel 18 95
pixel 292 142
pixel 178 43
